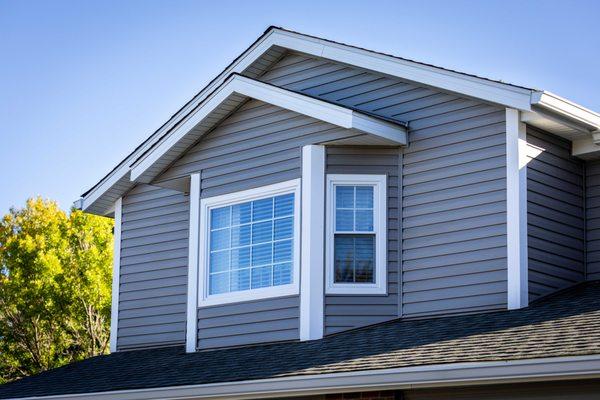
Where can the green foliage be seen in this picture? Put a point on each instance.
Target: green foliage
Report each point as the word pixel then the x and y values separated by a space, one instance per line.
pixel 55 280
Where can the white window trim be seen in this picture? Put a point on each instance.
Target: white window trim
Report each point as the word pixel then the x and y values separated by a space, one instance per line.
pixel 204 299
pixel 380 224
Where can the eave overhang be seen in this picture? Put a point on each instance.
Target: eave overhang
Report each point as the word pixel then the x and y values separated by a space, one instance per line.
pixel 237 89
pixel 427 376
pixel 538 108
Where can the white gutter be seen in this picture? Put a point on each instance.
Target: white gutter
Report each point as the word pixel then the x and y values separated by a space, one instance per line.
pixel 441 375
pixel 586 119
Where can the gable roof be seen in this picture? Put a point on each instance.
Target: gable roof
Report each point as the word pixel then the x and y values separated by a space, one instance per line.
pixel 563 325
pixel 539 108
pixel 235 90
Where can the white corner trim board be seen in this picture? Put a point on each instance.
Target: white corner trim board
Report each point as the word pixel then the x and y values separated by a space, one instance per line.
pixel 203 297
pixel 405 378
pixel 114 310
pixel 237 84
pixel 313 221
pixel 193 244
pixel 516 210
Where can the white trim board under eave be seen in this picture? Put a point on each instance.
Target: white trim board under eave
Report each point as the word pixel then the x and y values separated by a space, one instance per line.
pixel 405 378
pixel 315 108
pixel 114 310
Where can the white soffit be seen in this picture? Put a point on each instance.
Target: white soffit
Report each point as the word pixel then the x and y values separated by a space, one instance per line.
pixel 238 88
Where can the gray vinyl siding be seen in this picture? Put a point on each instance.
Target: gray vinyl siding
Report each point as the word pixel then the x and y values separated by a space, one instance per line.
pixel 153 273
pixel 555 214
pixel 592 180
pixel 344 312
pixel 259 321
pixel 259 144
pixel 454 182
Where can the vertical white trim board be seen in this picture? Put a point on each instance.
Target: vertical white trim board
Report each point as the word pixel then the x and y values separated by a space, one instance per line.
pixel 194 241
pixel 114 310
pixel 312 269
pixel 516 210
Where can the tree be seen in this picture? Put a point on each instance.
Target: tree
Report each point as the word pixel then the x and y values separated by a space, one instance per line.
pixel 55 280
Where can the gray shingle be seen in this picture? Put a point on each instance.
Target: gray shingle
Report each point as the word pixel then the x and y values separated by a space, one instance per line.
pixel 566 324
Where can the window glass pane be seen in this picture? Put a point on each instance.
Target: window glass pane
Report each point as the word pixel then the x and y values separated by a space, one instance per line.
pixel 219 218
pixel 354 258
pixel 219 239
pixel 343 258
pixel 240 235
pixel 364 250
pixel 240 280
pixel 364 221
pixel 262 232
pixel 344 197
pixel 282 274
pixel 219 261
pixel 261 254
pixel 262 209
pixel 284 228
pixel 284 205
pixel 344 220
pixel 241 213
pixel 261 277
pixel 364 197
pixel 219 283
pixel 251 245
pixel 282 251
pixel 240 258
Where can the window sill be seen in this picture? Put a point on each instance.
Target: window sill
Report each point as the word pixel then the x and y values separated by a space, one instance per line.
pixel 249 295
pixel 356 289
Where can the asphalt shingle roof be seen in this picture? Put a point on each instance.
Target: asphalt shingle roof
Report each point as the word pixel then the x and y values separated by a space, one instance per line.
pixel 566 324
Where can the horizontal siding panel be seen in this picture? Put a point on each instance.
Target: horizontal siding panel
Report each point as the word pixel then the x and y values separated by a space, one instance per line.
pixel 249 322
pixel 153 281
pixel 555 208
pixel 592 227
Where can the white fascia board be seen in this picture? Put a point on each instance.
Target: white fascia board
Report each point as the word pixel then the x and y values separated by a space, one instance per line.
pixel 566 109
pixel 428 376
pixel 516 211
pixel 318 109
pixel 193 265
pixel 114 309
pixel 85 202
pixel 496 92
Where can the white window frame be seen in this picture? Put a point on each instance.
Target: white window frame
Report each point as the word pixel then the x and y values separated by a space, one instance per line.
pixel 204 299
pixel 379 183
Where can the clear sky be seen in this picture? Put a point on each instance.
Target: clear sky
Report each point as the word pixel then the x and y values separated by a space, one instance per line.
pixel 82 83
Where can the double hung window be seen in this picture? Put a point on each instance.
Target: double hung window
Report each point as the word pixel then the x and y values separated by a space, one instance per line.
pixel 356 234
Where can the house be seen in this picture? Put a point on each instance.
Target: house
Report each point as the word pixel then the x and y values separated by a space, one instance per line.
pixel 328 222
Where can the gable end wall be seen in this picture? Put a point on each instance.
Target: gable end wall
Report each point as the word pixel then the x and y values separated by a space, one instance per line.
pixel 454 193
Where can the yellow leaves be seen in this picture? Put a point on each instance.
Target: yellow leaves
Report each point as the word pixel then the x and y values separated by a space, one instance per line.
pixel 55 276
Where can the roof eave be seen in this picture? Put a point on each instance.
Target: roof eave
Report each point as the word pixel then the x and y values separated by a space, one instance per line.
pixel 426 376
pixel 394 133
pixel 584 118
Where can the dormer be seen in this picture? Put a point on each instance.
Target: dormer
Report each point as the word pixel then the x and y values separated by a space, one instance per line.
pixel 314 188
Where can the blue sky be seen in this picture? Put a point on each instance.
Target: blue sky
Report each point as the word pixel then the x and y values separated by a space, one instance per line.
pixel 83 83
